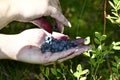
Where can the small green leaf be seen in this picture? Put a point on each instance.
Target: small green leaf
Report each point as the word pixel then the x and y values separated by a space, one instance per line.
pixel 83 78
pixel 116 43
pixel 59 70
pixel 53 71
pixel 115 1
pixel 115 14
pixel 111 77
pixel 118 5
pixel 100 47
pixel 111 18
pixel 100 61
pixel 111 46
pixel 47 71
pixel 92 61
pixel 111 4
pixel 103 37
pixel 87 40
pixel 114 64
pixel 98 35
pixel 117 59
pixel 79 68
pixel 93 56
pixel 58 78
pixel 114 69
pixel 97 41
pixel 87 54
pixel 84 72
pixel 77 74
pixel 116 47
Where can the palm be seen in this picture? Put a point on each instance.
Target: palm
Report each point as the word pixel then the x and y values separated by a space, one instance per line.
pixel 31 53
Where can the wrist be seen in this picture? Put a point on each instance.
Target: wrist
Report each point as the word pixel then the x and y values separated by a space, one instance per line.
pixel 6 46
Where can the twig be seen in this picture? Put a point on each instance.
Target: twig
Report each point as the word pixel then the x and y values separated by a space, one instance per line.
pixel 104 26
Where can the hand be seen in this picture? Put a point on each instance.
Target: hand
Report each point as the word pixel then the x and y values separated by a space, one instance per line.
pixel 32 10
pixel 25 47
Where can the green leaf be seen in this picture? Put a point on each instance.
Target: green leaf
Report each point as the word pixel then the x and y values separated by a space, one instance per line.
pixel 83 78
pixel 53 71
pixel 87 40
pixel 59 70
pixel 114 69
pixel 92 61
pixel 103 37
pixel 100 47
pixel 111 77
pixel 116 47
pixel 77 74
pixel 98 35
pixel 111 46
pixel 115 14
pixel 87 54
pixel 116 43
pixel 47 71
pixel 96 41
pixel 84 72
pixel 118 5
pixel 42 69
pixel 115 1
pixel 114 64
pixel 112 4
pixel 117 59
pixel 79 68
pixel 100 61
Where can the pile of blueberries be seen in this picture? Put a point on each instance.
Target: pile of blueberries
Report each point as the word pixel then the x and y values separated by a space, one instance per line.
pixel 57 45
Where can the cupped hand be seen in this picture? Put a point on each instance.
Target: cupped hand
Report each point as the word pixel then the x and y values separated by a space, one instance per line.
pixel 27 48
pixel 32 10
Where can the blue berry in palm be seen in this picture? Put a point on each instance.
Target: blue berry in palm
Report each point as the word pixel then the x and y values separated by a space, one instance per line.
pixel 55 45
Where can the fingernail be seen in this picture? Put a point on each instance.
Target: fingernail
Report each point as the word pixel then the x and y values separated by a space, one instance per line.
pixel 69 24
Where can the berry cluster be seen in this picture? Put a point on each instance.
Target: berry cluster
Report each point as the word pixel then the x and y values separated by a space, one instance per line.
pixel 55 45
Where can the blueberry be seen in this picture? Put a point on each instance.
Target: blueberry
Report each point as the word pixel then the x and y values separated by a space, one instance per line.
pixel 74 43
pixel 55 45
pixel 45 47
pixel 107 56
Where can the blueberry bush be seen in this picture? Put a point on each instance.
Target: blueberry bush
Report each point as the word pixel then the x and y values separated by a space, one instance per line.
pixel 96 20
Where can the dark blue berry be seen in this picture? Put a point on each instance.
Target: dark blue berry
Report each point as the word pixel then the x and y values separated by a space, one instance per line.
pixel 55 45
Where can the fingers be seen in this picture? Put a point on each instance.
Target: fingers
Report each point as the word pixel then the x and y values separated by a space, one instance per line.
pixel 57 35
pixel 56 12
pixel 59 26
pixel 65 55
pixel 58 16
pixel 77 52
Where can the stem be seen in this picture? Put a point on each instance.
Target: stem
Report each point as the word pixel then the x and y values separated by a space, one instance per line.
pixel 91 72
pixel 98 57
pixel 104 26
pixel 96 69
pixel 108 64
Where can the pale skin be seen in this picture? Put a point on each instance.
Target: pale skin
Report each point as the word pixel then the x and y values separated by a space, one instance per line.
pixel 25 46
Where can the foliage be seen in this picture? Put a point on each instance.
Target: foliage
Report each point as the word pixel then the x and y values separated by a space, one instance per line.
pixel 102 62
pixel 80 74
pixel 115 18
